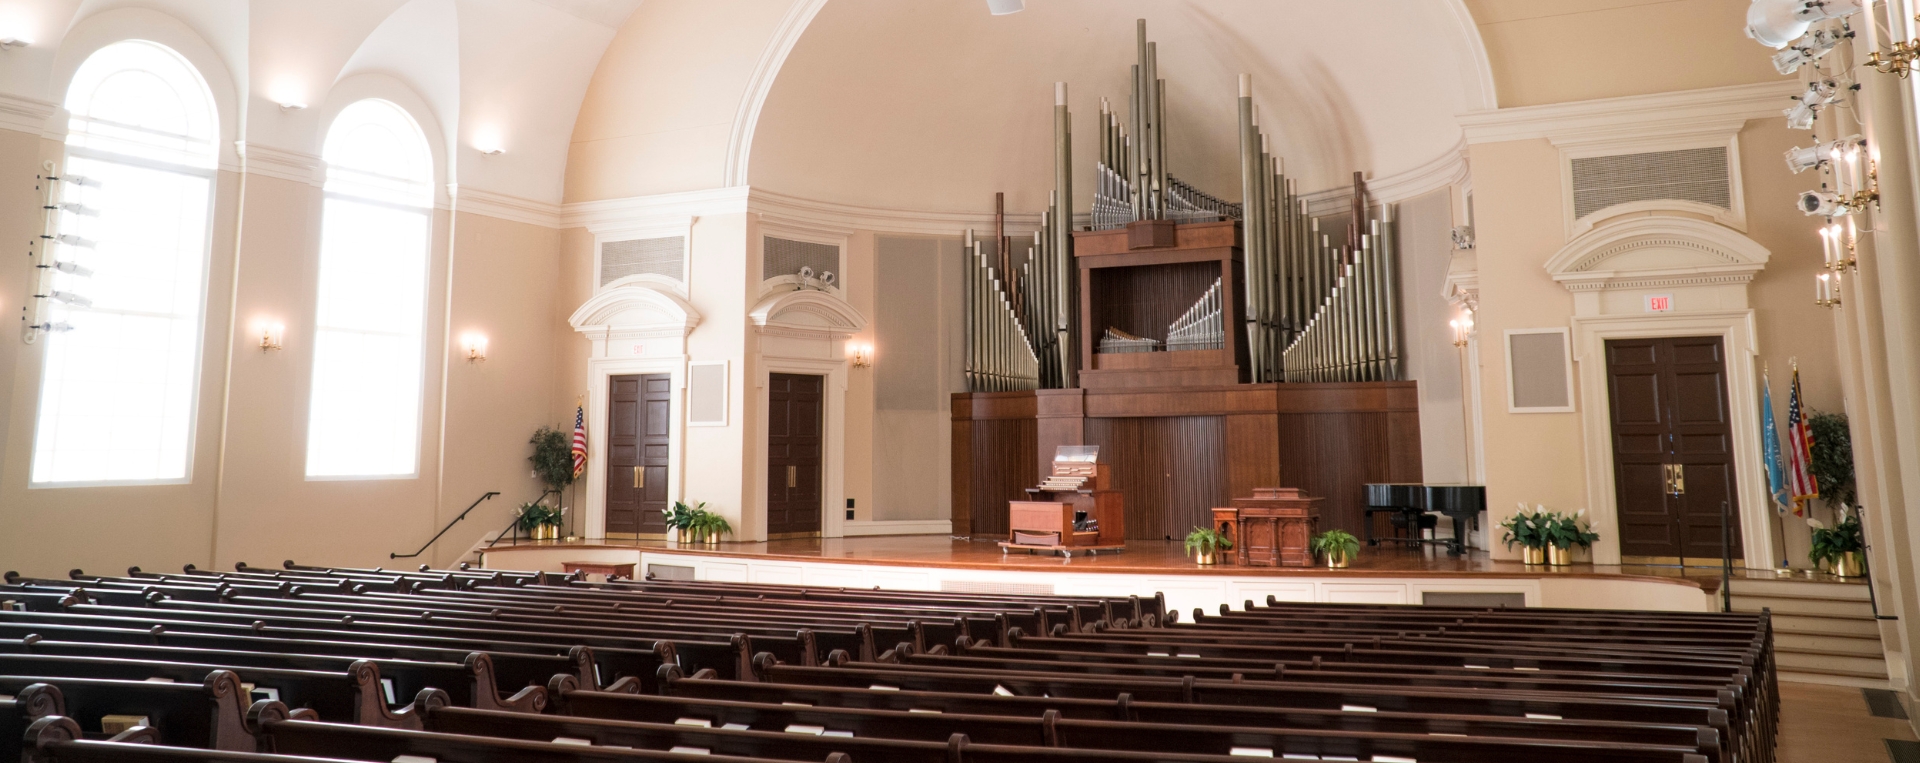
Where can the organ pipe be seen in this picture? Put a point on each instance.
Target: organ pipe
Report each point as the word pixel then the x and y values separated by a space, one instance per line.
pixel 1353 333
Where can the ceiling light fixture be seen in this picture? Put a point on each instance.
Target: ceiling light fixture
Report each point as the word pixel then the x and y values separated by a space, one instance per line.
pixel 9 43
pixel 1777 23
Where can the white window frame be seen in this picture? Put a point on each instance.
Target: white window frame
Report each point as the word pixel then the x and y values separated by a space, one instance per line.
pixel 209 173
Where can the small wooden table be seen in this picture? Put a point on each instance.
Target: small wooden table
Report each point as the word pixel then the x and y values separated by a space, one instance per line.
pixel 599 568
pixel 1272 528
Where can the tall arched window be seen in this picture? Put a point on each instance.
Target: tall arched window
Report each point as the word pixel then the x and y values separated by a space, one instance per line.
pixel 121 377
pixel 365 415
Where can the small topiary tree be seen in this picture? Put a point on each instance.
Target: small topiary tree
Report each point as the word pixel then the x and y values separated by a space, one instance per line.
pixel 552 457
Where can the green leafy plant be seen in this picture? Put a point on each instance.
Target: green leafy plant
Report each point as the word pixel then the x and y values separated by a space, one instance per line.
pixel 552 457
pixel 1526 527
pixel 1832 464
pixel 695 522
pixel 535 515
pixel 710 526
pixel 1208 539
pixel 1562 531
pixel 1830 543
pixel 1336 543
pixel 680 516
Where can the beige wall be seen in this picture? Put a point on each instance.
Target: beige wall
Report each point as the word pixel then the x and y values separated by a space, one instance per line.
pixel 1518 206
pixel 258 506
pixel 1550 51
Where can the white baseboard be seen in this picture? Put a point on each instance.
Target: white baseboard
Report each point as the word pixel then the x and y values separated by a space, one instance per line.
pixel 897 527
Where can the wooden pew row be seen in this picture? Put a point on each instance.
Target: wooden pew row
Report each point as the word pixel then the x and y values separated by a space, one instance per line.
pixel 1212 729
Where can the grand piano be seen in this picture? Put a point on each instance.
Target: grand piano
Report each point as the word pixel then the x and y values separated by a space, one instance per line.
pixel 1462 503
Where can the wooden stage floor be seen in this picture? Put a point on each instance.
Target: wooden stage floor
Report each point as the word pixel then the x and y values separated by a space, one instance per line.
pixel 1141 557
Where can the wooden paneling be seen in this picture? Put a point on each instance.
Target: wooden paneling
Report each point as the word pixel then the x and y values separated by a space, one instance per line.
pixel 1144 300
pixel 1177 453
pixel 1188 236
pixel 1173 471
pixel 1004 466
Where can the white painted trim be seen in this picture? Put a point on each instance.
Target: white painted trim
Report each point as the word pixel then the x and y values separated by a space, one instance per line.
pixel 833 455
pixel 91 33
pixel 1443 171
pixel 1184 593
pixel 30 115
pixel 858 527
pixel 1684 112
pixel 1566 358
pixel 641 210
pixel 1480 84
pixel 1723 255
pixel 296 166
pixel 600 371
pixel 502 206
pixel 1738 337
pixel 765 71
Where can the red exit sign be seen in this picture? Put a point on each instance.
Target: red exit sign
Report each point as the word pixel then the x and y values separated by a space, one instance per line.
pixel 1659 303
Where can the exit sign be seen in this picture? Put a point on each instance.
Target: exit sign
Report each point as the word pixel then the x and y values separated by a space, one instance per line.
pixel 1659 303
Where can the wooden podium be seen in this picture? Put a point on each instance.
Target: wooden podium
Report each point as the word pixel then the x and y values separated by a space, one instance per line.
pixel 1076 509
pixel 1272 528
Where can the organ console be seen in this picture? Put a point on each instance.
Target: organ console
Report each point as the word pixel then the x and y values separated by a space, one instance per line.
pixel 1076 508
pixel 1461 503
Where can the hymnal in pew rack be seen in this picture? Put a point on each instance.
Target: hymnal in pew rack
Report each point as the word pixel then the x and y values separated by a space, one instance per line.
pixel 1075 509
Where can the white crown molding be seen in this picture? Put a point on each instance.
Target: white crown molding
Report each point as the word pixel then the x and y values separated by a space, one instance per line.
pixel 1480 87
pixel 794 211
pixel 635 210
pixel 504 207
pixel 1691 252
pixel 1710 111
pixel 740 142
pixel 1445 170
pixel 22 114
pixel 297 166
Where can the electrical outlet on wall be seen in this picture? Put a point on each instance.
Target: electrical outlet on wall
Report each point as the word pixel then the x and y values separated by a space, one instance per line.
pixel 849 513
pixel 849 508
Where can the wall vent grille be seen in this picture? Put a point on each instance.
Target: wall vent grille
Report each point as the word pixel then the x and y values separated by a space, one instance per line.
pixel 785 257
pixel 656 256
pixel 1695 174
pixel 988 586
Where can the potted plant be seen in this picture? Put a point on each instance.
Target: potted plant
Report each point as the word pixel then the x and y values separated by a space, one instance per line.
pixel 1841 548
pixel 540 521
pixel 1832 462
pixel 685 523
pixel 1338 546
pixel 708 526
pixel 552 457
pixel 1562 533
pixel 1526 529
pixel 1206 545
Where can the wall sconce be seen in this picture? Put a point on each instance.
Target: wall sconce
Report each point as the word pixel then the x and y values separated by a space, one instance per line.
pixel 1462 331
pixel 10 42
pixel 862 355
pixel 476 346
pixel 272 335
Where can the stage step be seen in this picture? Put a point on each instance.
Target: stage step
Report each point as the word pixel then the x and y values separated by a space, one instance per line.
pixel 1824 631
pixel 1795 587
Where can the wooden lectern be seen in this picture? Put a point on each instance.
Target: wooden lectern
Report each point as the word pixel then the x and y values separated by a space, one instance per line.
pixel 1075 509
pixel 1272 528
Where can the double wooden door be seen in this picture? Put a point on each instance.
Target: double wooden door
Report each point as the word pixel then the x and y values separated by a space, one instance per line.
pixel 639 422
pixel 794 446
pixel 1672 449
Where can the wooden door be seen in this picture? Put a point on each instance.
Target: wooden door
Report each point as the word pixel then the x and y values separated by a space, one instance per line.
pixel 1672 448
pixel 794 445
pixel 639 419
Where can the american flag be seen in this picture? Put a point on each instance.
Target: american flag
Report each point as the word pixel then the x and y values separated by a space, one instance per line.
pixel 579 441
pixel 1799 452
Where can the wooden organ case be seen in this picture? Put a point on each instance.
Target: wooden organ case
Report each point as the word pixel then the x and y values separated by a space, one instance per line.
pixel 1075 509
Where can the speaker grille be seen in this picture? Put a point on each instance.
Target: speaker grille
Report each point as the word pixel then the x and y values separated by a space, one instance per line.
pixel 707 393
pixel 785 257
pixel 656 256
pixel 1694 174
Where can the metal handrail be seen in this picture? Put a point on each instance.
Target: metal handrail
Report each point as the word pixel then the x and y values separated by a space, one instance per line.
pixel 443 530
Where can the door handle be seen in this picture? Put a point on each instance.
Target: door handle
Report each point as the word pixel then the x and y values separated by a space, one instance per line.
pixel 639 476
pixel 1676 479
pixel 793 476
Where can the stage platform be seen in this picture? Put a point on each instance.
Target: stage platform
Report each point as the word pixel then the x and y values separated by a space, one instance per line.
pixel 1382 575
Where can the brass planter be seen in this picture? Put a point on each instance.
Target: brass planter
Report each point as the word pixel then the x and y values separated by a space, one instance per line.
pixel 1533 555
pixel 1559 557
pixel 1336 561
pixel 1851 564
pixel 546 532
pixel 1206 556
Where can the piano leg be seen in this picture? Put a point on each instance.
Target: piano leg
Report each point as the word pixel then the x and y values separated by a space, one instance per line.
pixel 1458 545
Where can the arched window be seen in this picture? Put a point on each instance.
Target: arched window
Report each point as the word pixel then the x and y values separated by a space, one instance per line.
pixel 365 414
pixel 121 376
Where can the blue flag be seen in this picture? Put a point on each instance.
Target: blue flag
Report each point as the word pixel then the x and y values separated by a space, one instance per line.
pixel 1770 450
